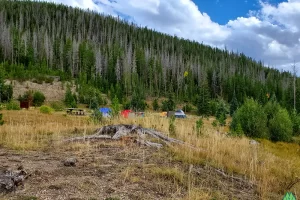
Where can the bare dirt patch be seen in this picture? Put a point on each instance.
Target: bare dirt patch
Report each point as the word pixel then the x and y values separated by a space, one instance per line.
pixel 53 91
pixel 116 170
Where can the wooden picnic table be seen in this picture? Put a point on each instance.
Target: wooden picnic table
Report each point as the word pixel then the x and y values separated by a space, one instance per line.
pixel 75 111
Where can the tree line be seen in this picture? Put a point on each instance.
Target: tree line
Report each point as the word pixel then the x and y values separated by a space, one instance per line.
pixel 110 55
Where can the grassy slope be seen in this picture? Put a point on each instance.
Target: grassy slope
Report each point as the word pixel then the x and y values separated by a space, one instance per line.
pixel 271 166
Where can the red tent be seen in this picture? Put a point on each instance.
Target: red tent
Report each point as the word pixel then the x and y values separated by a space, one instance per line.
pixel 125 113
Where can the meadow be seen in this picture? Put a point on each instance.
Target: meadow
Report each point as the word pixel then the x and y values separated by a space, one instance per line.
pixel 274 168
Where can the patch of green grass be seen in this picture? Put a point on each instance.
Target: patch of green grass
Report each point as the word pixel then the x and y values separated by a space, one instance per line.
pixel 112 198
pixel 27 198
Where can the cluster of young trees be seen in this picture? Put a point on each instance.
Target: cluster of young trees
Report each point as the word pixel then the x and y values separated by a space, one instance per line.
pixel 269 121
pixel 111 55
pixel 37 97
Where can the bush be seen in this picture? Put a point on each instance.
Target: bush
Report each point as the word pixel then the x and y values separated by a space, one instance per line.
pixel 155 105
pixel 137 103
pixel 222 109
pixel 281 126
pixel 13 106
pixel 27 96
pixel 187 108
pixel 271 108
pixel 70 99
pixel 115 106
pixel 296 123
pixel 57 106
pixel 168 105
pixel 38 98
pixel 46 110
pixel 1 120
pixel 97 116
pixel 199 125
pixel 6 92
pixel 172 128
pixel 252 119
pixel 213 107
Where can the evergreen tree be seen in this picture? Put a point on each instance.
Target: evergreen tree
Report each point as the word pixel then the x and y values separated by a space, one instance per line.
pixel 233 104
pixel 155 105
pixel 203 101
pixel 115 54
pixel 115 106
pixel 70 101
pixel 38 98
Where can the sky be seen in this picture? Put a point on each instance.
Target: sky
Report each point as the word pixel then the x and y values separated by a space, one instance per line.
pixel 266 30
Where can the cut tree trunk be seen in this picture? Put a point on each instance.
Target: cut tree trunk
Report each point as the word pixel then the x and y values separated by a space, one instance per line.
pixel 116 132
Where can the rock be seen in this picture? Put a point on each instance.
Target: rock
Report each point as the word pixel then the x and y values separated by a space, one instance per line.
pixel 9 180
pixel 253 142
pixel 6 184
pixel 70 162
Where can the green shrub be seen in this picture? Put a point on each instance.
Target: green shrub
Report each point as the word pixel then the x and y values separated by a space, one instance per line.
pixel 97 116
pixel 115 106
pixel 199 125
pixel 57 106
pixel 168 105
pixel 296 123
pixel 27 96
pixel 281 126
pixel 46 110
pixel 238 130
pixel 213 107
pixel 252 119
pixel 38 98
pixel 155 105
pixel 137 103
pixel 6 92
pixel 13 106
pixel 271 108
pixel 172 128
pixel 70 99
pixel 215 123
pixel 187 108
pixel 1 120
pixel 49 80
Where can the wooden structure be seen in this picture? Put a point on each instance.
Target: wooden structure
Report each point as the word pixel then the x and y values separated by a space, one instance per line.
pixel 25 104
pixel 75 111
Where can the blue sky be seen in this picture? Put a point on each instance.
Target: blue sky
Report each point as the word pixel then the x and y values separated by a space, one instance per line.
pixel 266 30
pixel 221 11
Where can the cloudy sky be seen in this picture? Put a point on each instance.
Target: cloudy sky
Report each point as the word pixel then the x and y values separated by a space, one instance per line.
pixel 265 30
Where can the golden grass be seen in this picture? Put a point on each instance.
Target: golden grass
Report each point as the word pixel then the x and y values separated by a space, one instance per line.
pixel 30 129
pixel 272 166
pixel 271 171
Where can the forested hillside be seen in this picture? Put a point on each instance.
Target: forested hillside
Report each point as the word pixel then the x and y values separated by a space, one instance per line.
pixel 113 55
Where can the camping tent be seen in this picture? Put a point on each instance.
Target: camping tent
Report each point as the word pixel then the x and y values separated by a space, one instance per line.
pixel 105 112
pixel 125 113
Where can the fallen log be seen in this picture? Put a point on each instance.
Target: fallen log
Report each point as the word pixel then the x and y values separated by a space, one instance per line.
pixel 116 132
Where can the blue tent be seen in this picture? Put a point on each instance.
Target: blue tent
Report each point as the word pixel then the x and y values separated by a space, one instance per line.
pixel 105 112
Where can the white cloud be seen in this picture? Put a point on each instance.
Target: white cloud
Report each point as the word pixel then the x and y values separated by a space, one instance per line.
pixel 271 34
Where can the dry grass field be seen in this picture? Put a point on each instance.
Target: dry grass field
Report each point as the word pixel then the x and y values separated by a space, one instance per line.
pixel 212 166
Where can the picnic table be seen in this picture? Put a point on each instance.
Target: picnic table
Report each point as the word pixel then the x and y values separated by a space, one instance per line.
pixel 75 111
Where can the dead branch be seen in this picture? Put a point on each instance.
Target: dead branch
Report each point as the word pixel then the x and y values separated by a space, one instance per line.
pixel 116 132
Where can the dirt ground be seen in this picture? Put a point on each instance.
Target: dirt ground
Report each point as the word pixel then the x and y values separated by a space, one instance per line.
pixel 115 170
pixel 53 91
